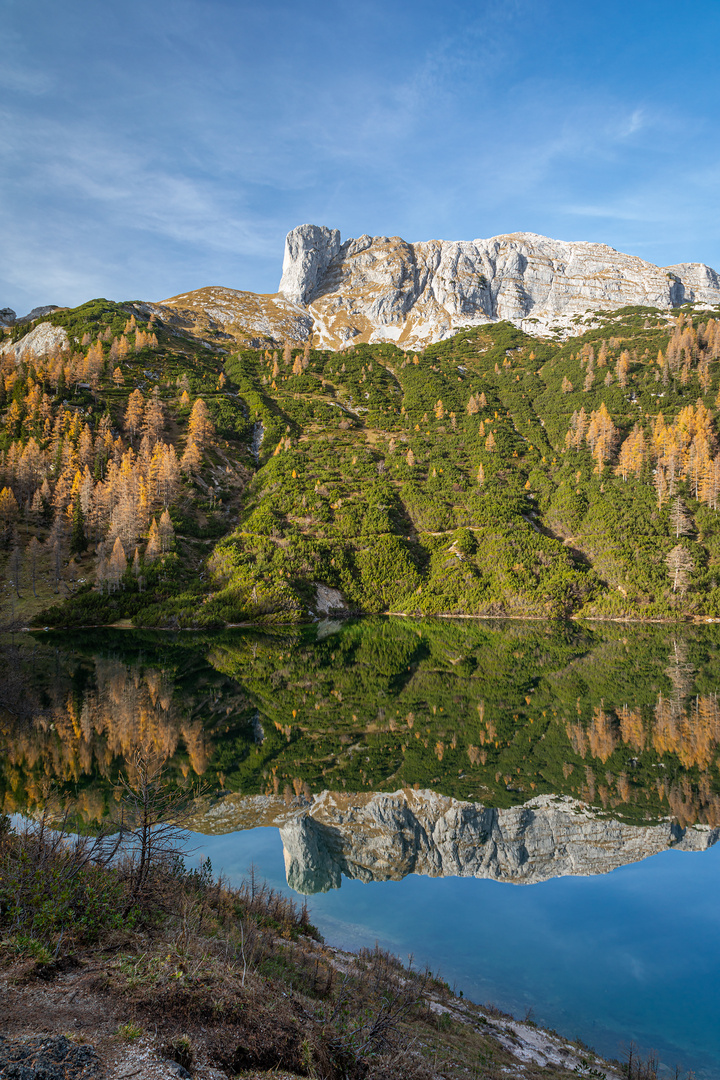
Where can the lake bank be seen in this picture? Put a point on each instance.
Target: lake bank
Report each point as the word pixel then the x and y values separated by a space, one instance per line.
pixel 223 981
pixel 417 770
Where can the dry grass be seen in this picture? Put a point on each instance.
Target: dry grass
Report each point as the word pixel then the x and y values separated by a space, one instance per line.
pixel 229 978
pixel 21 609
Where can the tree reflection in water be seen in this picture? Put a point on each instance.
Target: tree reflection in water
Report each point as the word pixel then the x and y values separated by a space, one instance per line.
pixel 623 719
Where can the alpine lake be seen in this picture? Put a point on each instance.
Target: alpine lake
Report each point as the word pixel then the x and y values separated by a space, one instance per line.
pixel 530 809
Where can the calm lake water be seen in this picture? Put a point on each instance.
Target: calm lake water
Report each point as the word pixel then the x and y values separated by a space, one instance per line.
pixel 530 810
pixel 634 954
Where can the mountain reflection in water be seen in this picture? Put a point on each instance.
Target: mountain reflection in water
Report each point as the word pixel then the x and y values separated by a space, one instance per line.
pixel 437 752
pixel 384 837
pixel 384 747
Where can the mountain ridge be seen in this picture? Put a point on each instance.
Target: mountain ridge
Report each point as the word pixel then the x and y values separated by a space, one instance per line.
pixel 379 289
pixel 496 472
pixel 385 289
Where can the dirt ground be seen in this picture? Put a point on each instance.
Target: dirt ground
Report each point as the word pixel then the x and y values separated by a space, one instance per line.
pixel 35 1013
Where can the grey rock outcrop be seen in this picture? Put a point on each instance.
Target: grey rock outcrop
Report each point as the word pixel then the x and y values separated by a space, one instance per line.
pixel 379 288
pixel 309 250
pixel 329 601
pixel 7 316
pixel 42 340
pixel 37 313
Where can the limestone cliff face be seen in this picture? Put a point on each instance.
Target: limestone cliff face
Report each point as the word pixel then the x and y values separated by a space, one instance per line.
pixel 384 289
pixel 309 249
pixel 379 288
pixel 381 837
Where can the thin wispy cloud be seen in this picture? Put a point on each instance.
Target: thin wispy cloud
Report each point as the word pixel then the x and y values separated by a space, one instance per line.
pixel 20 73
pixel 634 123
pixel 153 162
pixel 22 80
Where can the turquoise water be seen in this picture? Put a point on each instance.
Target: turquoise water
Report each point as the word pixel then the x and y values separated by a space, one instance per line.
pixel 629 955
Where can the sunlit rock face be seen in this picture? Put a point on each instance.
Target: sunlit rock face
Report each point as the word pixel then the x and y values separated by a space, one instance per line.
pixel 379 288
pixel 309 249
pixel 42 340
pixel 384 837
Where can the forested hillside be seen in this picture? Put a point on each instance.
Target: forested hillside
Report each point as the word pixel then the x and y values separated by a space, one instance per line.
pixel 148 475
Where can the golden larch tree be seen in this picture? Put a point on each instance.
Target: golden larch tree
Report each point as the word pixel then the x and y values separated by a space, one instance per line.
pixel 152 549
pixel 167 532
pixel 632 454
pixel 622 368
pixel 601 436
pixel 154 419
pixel 192 459
pixel 200 427
pixel 134 412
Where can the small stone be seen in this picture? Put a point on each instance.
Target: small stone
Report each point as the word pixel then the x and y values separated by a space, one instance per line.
pixel 177 1069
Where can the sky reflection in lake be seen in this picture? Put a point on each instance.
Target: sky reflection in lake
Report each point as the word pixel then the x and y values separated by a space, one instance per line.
pixel 633 954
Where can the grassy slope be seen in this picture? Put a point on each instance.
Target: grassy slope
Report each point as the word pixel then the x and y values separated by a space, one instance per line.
pixel 366 483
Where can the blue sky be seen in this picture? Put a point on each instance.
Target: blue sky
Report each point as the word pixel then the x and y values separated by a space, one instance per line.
pixel 151 148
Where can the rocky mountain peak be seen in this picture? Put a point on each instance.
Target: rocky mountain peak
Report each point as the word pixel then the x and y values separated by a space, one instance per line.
pixel 309 249
pixel 379 288
pixel 383 288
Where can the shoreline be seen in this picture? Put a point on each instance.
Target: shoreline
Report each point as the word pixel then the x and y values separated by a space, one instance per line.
pixel 268 626
pixel 124 624
pixel 178 974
